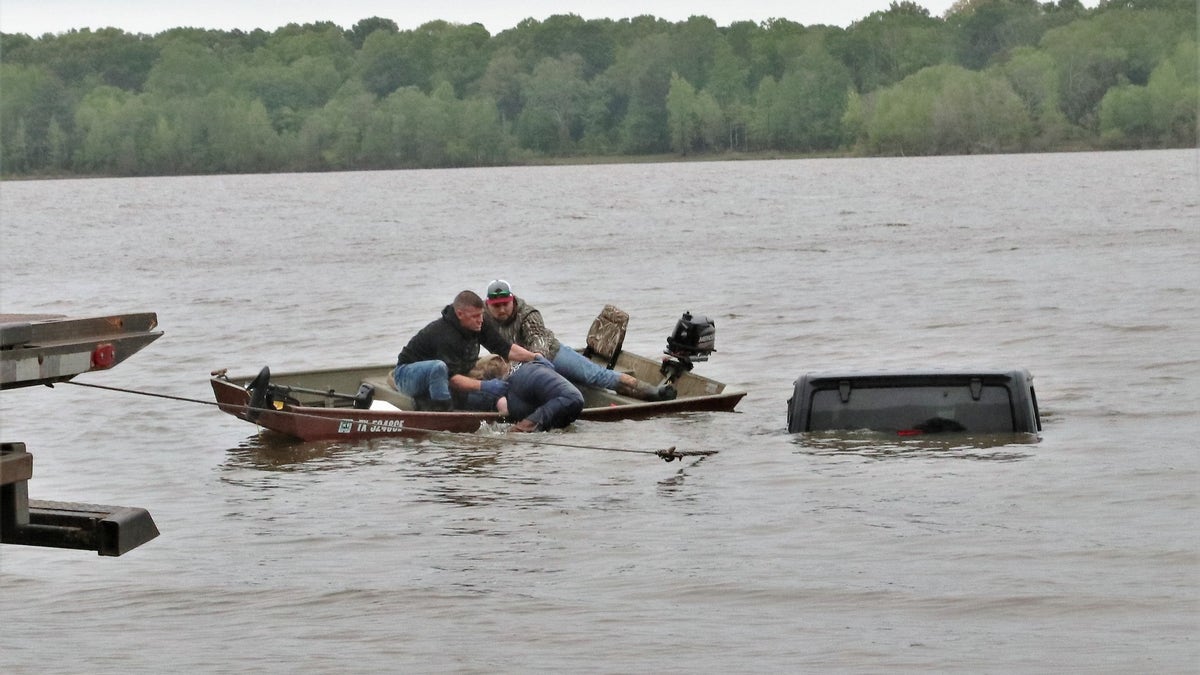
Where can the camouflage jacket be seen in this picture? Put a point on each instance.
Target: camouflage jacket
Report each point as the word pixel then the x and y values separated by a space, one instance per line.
pixel 525 327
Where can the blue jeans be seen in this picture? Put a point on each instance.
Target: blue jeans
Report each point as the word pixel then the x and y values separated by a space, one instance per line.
pixel 423 379
pixel 536 392
pixel 581 370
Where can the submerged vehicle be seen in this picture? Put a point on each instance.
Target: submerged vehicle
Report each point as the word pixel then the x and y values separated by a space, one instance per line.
pixel 915 403
pixel 362 402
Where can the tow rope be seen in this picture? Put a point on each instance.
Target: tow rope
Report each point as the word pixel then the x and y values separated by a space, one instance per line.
pixel 667 454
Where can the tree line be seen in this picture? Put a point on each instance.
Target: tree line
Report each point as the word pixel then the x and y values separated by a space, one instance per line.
pixel 989 76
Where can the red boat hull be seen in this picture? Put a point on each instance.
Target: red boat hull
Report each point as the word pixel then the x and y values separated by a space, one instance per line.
pixel 314 411
pixel 344 424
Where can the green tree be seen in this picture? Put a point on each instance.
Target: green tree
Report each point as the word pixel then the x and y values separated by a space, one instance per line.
pixel 1032 75
pixel 1096 53
pixel 389 61
pixel 293 42
pixel 1161 113
pixel 382 63
pixel 460 54
pixel 642 75
pixel 166 151
pixel 560 35
pixel 58 147
pixel 555 100
pixel 979 113
pixel 694 48
pixel 289 92
pixel 729 76
pixel 985 29
pixel 85 58
pixel 33 99
pixel 110 122
pixel 480 138
pixel 18 84
pixel 684 117
pixel 854 120
pixel 885 47
pixel 186 69
pixel 238 133
pixel 333 136
pixel 946 109
pixel 810 102
pixel 602 117
pixel 773 47
pixel 728 85
pixel 413 128
pixel 501 81
pixel 359 32
pixel 764 128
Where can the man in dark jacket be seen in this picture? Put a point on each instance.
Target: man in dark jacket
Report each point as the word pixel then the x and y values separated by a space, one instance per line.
pixel 540 398
pixel 432 368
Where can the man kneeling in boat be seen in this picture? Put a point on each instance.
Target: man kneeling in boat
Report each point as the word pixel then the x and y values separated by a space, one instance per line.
pixel 537 396
pixel 521 323
pixel 433 367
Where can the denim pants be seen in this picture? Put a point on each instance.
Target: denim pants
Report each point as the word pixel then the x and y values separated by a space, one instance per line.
pixel 581 370
pixel 536 392
pixel 423 379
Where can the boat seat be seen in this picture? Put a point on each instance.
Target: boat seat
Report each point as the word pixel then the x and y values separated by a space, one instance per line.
pixel 385 390
pixel 606 335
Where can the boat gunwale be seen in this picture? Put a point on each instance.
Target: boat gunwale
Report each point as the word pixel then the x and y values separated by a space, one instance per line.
pixel 604 406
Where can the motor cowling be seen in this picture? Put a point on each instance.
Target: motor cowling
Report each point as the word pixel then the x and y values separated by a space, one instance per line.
pixel 694 338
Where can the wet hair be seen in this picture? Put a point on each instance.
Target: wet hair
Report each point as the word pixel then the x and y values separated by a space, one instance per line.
pixel 468 300
pixel 490 367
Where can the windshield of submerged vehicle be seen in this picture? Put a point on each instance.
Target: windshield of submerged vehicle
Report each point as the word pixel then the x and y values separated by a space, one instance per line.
pixel 926 409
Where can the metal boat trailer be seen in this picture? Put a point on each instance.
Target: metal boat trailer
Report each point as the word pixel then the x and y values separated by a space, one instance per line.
pixel 45 349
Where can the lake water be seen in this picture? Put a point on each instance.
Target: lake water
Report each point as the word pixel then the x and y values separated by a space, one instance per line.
pixel 483 554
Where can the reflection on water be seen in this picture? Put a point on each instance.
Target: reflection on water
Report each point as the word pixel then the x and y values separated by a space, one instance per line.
pixel 455 469
pixel 272 452
pixel 673 485
pixel 878 445
pixel 459 474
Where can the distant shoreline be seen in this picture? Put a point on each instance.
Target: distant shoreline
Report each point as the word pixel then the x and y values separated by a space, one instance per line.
pixel 590 160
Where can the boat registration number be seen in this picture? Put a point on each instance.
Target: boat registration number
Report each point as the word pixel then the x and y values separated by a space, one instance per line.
pixel 369 426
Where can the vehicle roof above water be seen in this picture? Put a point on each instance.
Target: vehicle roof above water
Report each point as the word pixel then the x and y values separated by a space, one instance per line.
pixel 912 401
pixel 917 375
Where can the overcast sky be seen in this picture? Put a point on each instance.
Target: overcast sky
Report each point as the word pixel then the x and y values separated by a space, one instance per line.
pixel 36 17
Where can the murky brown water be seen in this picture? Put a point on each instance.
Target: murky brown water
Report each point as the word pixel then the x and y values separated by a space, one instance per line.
pixel 779 553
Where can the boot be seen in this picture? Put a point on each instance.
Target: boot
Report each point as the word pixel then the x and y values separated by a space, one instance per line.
pixel 645 391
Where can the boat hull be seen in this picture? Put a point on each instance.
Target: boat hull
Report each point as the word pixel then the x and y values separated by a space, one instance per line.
pixel 310 423
pixel 319 403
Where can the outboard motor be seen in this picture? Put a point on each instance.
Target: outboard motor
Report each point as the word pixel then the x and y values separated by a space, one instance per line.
pixel 693 339
pixel 261 393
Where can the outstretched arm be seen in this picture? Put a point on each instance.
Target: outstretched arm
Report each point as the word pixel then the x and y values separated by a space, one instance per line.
pixel 519 353
pixel 534 333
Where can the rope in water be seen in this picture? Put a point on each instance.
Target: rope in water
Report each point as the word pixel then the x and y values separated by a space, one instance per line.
pixel 667 454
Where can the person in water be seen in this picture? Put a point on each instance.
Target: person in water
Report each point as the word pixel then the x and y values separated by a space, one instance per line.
pixel 433 367
pixel 521 323
pixel 537 396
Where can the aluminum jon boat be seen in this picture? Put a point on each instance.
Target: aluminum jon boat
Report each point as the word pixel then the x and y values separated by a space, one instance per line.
pixel 360 403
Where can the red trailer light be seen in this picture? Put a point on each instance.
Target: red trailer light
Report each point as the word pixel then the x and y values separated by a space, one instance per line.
pixel 103 357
